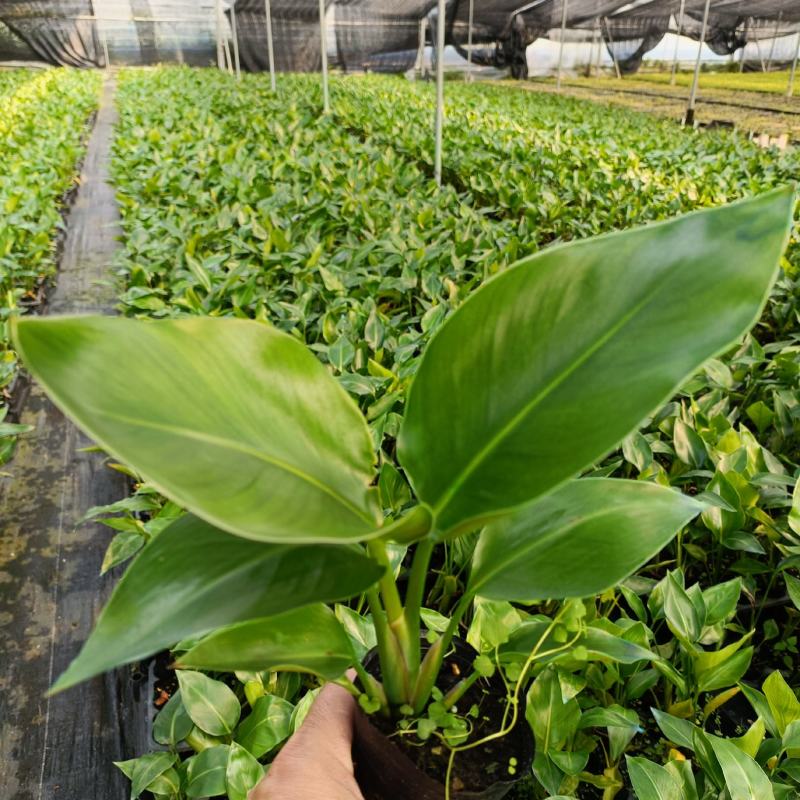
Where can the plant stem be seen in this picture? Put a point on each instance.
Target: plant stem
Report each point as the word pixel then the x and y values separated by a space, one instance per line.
pixel 392 660
pixel 391 597
pixel 348 686
pixel 414 597
pixel 432 663
pixel 371 686
pixel 459 690
pixel 402 645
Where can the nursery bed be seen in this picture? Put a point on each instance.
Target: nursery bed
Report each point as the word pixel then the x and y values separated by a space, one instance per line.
pixel 63 747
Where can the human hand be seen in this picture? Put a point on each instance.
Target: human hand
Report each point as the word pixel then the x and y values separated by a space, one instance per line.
pixel 316 763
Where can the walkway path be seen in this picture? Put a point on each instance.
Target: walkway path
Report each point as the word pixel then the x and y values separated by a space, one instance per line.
pixel 50 589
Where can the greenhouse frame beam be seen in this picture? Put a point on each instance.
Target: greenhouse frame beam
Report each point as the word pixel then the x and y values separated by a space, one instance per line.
pixel 468 73
pixel 235 34
pixel 323 35
pixel 677 44
pixel 104 42
pixel 607 35
pixel 420 62
pixel 564 7
pixel 793 72
pixel 439 119
pixel 270 45
pixel 744 46
pixel 774 39
pixel 689 119
pixel 218 28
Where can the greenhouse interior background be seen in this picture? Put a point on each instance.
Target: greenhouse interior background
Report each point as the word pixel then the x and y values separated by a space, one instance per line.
pixel 399 399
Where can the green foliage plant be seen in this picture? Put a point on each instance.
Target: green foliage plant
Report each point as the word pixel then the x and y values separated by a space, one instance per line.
pixel 534 379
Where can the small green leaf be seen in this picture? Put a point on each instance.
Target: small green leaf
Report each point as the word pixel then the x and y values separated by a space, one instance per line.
pixel 680 612
pixel 267 725
pixel 173 723
pixel 308 639
pixel 744 778
pixel 205 772
pixel 123 546
pixel 212 706
pixel 783 702
pixel 652 781
pixel 678 731
pixel 242 773
pixel 144 770
pixel 793 589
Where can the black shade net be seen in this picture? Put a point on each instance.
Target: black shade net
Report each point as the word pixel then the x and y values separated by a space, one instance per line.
pixel 379 35
pixel 295 35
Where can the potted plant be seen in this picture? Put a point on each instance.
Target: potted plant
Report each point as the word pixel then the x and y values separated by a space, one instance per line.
pixel 539 374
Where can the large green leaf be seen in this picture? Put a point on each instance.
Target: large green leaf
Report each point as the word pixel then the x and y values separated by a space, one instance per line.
pixel 193 578
pixel 652 781
pixel 232 419
pixel 308 639
pixel 577 541
pixel 744 778
pixel 549 365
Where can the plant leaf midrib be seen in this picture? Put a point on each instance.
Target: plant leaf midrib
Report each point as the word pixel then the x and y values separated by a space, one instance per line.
pixel 223 442
pixel 476 461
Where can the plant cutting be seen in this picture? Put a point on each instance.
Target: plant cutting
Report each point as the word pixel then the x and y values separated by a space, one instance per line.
pixel 535 377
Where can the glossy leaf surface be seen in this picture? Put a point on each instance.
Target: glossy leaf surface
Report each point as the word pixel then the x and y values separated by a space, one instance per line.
pixel 173 723
pixel 205 774
pixel 232 419
pixel 222 579
pixel 308 639
pixel 579 540
pixel 744 778
pixel 242 773
pixel 267 725
pixel 211 704
pixel 570 349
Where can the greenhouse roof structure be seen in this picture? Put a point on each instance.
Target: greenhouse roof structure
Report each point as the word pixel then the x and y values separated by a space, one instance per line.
pixel 376 35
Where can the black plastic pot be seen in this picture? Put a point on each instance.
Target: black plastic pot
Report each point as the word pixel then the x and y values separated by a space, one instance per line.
pixel 385 772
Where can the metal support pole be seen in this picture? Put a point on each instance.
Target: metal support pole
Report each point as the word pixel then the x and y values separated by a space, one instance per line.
pixel 439 121
pixel 564 5
pixel 218 28
pixel 611 49
pixel 760 54
pixel 419 65
pixel 677 43
pixel 226 60
pixel 774 40
pixel 104 40
pixel 590 62
pixel 790 90
pixel 599 41
pixel 227 46
pixel 689 119
pixel 323 35
pixel 468 74
pixel 744 46
pixel 235 34
pixel 270 48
